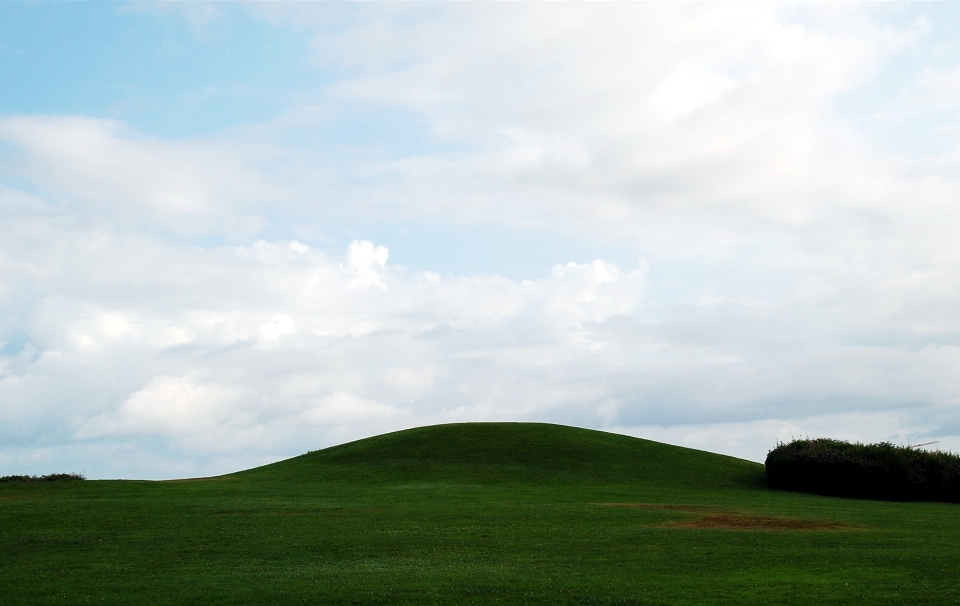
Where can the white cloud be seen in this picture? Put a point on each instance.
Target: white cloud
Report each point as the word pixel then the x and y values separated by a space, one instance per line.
pixel 687 90
pixel 309 350
pixel 346 409
pixel 175 406
pixel 365 263
pixel 104 168
pixel 602 103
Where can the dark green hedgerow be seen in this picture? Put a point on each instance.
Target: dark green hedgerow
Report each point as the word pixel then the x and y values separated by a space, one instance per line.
pixel 868 471
pixel 52 477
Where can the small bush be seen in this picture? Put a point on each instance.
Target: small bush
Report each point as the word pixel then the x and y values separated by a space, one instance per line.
pixel 53 477
pixel 866 471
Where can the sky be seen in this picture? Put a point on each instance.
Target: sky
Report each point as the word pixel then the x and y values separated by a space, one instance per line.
pixel 232 233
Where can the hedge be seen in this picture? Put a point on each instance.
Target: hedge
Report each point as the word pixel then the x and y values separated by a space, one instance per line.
pixel 53 477
pixel 868 471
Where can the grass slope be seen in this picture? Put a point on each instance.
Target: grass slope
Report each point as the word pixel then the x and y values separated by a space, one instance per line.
pixel 521 453
pixel 474 514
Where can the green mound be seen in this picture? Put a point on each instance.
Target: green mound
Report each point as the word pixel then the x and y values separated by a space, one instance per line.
pixel 527 453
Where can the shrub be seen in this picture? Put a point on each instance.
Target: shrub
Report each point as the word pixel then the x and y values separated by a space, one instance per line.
pixel 867 471
pixel 52 477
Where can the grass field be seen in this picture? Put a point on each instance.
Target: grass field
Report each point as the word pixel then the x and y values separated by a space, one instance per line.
pixel 493 513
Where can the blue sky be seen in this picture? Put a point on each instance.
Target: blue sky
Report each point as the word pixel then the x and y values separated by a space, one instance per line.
pixel 237 232
pixel 151 67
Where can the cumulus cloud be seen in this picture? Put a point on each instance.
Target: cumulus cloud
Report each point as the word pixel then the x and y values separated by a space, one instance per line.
pixel 307 347
pixel 365 263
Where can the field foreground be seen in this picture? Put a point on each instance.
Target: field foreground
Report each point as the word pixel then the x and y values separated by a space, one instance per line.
pixel 486 513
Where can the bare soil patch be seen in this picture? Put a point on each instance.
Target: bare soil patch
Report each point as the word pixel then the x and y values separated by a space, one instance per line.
pixel 751 522
pixel 664 506
pixel 716 517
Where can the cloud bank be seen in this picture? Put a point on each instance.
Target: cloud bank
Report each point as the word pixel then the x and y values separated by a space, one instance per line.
pixel 176 306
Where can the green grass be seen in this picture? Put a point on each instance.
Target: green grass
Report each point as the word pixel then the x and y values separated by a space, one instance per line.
pixel 493 513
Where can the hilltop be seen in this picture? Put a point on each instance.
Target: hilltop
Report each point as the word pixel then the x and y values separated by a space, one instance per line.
pixel 524 453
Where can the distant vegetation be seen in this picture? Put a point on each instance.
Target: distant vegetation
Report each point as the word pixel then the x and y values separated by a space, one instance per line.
pixel 52 477
pixel 868 471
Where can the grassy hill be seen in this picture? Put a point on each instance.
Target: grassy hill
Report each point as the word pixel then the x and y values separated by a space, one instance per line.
pixel 491 513
pixel 522 453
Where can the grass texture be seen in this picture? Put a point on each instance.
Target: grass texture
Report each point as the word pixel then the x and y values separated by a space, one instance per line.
pixel 490 513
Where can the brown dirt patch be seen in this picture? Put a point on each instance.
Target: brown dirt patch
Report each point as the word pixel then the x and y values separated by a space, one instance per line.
pixel 751 522
pixel 717 517
pixel 664 507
